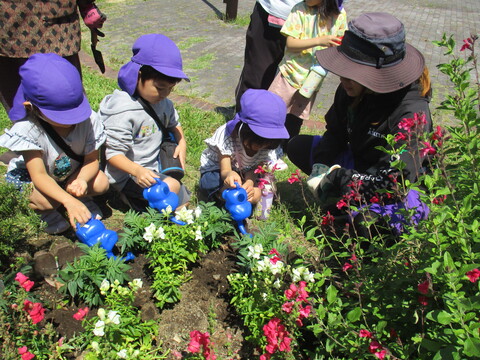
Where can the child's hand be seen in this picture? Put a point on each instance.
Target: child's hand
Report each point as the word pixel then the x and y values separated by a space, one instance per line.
pixel 181 152
pixel 250 189
pixel 77 212
pixel 77 188
pixel 329 40
pixel 145 177
pixel 231 178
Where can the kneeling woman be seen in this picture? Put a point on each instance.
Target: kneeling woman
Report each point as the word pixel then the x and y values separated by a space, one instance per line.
pixel 383 81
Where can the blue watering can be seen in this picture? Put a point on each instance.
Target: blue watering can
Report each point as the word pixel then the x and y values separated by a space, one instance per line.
pixel 237 204
pixel 94 231
pixel 160 197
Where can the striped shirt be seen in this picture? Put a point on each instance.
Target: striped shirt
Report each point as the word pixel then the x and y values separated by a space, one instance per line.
pixel 221 144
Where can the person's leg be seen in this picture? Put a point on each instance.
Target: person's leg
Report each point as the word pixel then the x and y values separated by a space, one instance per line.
pixel 264 50
pixel 75 61
pixel 9 79
pixel 299 151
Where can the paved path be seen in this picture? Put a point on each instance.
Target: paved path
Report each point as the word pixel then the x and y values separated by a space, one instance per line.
pixel 213 50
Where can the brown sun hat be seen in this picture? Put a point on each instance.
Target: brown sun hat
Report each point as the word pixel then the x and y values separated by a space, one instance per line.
pixel 374 53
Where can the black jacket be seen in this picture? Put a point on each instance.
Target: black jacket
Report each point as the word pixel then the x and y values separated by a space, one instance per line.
pixel 363 129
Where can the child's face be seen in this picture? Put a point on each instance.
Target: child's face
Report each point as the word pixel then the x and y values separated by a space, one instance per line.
pixel 154 90
pixel 352 88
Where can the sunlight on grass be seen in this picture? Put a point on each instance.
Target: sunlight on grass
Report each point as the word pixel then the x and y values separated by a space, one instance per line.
pixel 188 43
pixel 202 62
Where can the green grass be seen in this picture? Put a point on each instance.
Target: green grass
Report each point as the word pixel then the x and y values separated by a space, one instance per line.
pixel 202 62
pixel 189 42
pixel 240 20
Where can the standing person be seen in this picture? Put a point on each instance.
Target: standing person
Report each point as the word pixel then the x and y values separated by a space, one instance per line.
pixel 264 45
pixel 133 136
pixel 29 27
pixel 50 108
pixel 312 25
pixel 238 147
pixel 383 83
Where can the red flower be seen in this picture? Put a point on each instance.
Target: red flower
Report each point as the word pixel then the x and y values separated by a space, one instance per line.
pixel 26 355
pixel 423 300
pixel 305 311
pixel 400 137
pixel 295 177
pixel 374 199
pixel 274 251
pixel 274 260
pixel 81 313
pixel 291 292
pixel 199 339
pixel 265 356
pixel 374 346
pixel 473 275
pixel 259 170
pixel 328 219
pixel 288 306
pixel 277 336
pixel 406 124
pixel 438 134
pixel 34 310
pixel 467 44
pixel 428 149
pixel 24 281
pixel 341 204
pixel 353 258
pixel 423 287
pixel 346 267
pixel 262 182
pixel 381 354
pixel 365 333
pixel 439 199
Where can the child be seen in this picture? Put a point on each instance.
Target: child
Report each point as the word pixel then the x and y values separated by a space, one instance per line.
pixel 133 136
pixel 312 25
pixel 238 147
pixel 51 93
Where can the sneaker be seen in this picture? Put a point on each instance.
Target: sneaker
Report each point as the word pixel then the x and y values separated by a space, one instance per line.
pixel 90 204
pixel 56 223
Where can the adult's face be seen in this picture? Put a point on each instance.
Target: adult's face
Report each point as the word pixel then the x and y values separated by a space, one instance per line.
pixel 352 88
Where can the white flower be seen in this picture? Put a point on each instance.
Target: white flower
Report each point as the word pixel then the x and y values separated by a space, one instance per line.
pixel 150 232
pixel 198 212
pixel 264 296
pixel 167 211
pixel 113 317
pixel 296 275
pixel 185 215
pixel 309 277
pixel 198 233
pixel 160 233
pixel 264 264
pixel 101 313
pixel 136 284
pixel 99 328
pixel 255 251
pixel 277 284
pixel 122 354
pixel 95 346
pixel 104 286
pixel 277 267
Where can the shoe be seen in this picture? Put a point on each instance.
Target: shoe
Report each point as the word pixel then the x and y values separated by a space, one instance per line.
pixel 90 204
pixel 56 223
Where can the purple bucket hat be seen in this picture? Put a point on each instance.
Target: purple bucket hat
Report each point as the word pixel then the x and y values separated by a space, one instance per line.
pixel 264 112
pixel 374 53
pixel 157 51
pixel 53 85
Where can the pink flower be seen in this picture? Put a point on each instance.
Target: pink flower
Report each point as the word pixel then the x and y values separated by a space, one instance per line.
pixel 177 354
pixel 439 199
pixel 467 44
pixel 353 258
pixel 26 355
pixel 277 336
pixel 34 310
pixel 473 275
pixel 262 182
pixel 374 346
pixel 274 260
pixel 365 333
pixel 302 293
pixel 81 313
pixel 291 292
pixel 438 133
pixel 381 354
pixel 259 170
pixel 423 287
pixel 24 281
pixel 305 311
pixel 265 356
pixel 341 204
pixel 201 340
pixel 288 306
pixel 346 267
pixel 374 199
pixel 295 177
pixel 423 300
pixel 406 124
pixel 274 252
pixel 428 149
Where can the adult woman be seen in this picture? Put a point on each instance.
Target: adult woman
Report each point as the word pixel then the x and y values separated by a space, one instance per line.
pixel 383 81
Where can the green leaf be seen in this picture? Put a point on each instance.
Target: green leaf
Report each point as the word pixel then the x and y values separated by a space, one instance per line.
pixel 331 294
pixel 442 317
pixel 354 315
pixel 472 347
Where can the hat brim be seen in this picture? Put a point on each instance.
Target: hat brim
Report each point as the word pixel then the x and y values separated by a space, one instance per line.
pixel 269 132
pixel 172 72
pixel 70 116
pixel 65 117
pixel 383 80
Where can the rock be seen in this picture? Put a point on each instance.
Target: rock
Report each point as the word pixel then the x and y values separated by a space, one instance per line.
pixel 44 263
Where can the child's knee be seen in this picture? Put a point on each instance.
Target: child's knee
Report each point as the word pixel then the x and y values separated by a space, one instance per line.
pixel 100 184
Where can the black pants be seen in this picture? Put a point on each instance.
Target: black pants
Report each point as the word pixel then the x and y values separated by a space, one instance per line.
pixel 264 50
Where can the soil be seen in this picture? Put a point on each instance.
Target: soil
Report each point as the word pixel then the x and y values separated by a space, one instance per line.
pixel 204 305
